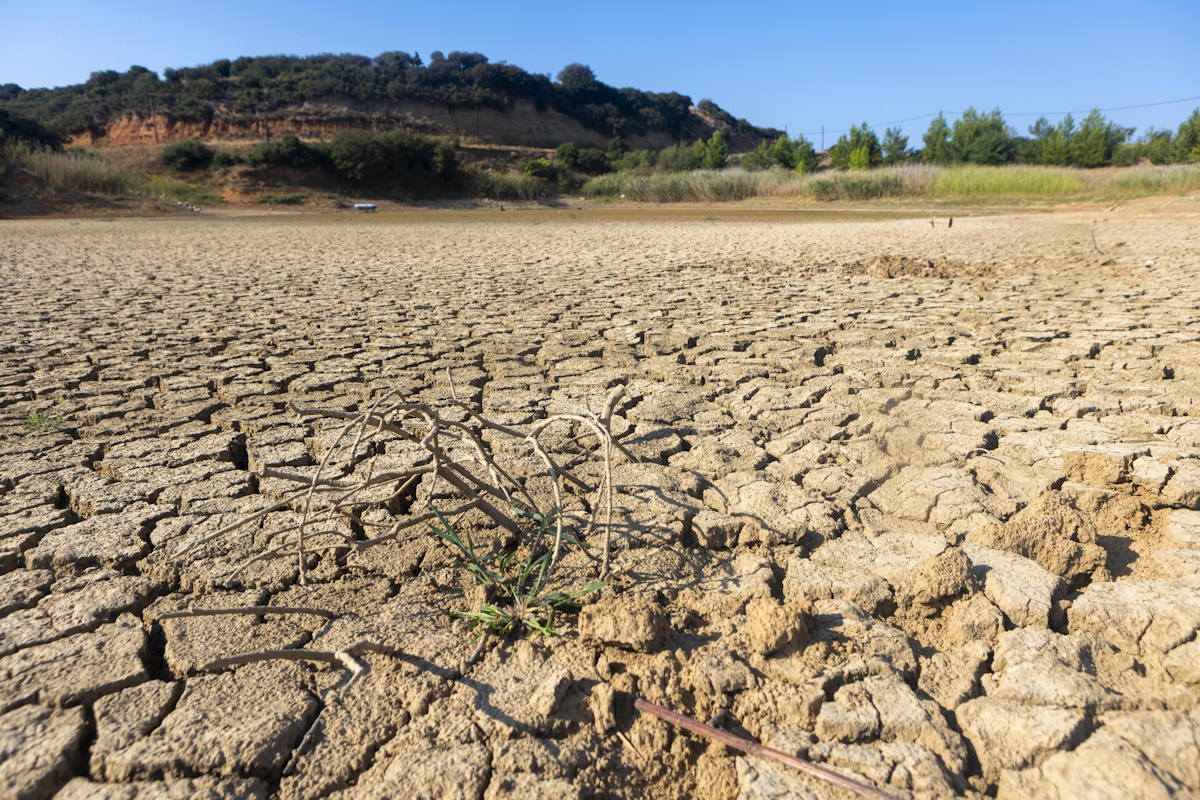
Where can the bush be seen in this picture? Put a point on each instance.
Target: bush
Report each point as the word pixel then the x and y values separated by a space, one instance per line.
pixel 541 169
pixel 288 151
pixel 592 161
pixel 508 186
pixel 186 156
pixel 676 158
pixel 23 129
pixel 567 154
pixel 226 158
pixel 397 155
pixel 642 161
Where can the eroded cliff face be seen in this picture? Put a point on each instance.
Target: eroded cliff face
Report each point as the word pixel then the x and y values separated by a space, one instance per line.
pixel 523 124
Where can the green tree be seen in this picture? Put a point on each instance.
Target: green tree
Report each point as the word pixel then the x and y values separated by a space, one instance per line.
pixel 1096 140
pixel 860 158
pixel 783 152
pixel 577 78
pixel 804 155
pixel 1187 140
pixel 1157 145
pixel 716 153
pixel 895 147
pixel 858 138
pixel 982 138
pixel 937 142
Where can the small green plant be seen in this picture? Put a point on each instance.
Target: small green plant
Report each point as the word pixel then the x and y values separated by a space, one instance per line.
pixel 36 422
pixel 518 577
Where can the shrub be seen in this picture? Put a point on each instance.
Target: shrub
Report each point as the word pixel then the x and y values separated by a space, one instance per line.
pixel 676 158
pixel 226 158
pixel 288 151
pixel 23 129
pixel 187 156
pixel 392 155
pixel 592 161
pixel 541 169
pixel 512 186
pixel 567 154
pixel 636 161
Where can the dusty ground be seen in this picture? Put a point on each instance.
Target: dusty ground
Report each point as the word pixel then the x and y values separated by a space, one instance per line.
pixel 919 503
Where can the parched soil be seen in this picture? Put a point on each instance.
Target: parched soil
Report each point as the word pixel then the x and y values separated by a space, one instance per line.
pixel 921 504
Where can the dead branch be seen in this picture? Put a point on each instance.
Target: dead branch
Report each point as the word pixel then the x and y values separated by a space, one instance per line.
pixel 257 611
pixel 756 749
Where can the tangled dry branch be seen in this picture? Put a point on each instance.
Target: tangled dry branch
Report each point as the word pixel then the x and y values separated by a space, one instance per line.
pixel 457 462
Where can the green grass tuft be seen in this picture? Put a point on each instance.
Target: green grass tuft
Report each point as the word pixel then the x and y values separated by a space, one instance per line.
pixel 517 577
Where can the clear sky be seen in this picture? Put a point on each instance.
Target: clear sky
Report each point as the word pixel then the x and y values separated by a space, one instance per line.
pixel 795 64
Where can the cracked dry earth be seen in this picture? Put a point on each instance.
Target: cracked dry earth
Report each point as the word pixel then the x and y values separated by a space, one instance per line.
pixel 919 504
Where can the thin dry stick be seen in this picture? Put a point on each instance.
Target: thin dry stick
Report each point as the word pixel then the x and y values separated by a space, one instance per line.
pixel 344 656
pixel 255 610
pixel 362 420
pixel 756 749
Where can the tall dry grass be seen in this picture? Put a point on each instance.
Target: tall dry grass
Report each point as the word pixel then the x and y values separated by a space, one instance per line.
pixel 905 182
pixel 79 172
pixel 87 172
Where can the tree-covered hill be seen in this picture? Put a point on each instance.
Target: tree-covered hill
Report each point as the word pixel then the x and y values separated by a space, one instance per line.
pixel 252 85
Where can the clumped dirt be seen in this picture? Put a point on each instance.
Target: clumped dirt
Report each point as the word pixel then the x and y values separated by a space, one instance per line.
pixel 906 267
pixel 932 521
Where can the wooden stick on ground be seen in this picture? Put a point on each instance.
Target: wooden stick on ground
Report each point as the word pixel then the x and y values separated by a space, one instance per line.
pixel 756 749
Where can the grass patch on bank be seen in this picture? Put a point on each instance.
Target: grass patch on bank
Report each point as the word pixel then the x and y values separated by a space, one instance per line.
pixel 907 182
pixel 1151 181
pixel 1008 182
pixel 512 186
pixel 70 170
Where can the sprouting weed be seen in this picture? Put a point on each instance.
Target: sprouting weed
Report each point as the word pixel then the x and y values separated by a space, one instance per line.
pixel 524 602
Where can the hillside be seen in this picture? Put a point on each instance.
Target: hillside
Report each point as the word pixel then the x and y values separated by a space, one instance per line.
pixel 463 93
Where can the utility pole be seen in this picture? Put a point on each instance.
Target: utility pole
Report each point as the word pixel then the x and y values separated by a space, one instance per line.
pixel 822 135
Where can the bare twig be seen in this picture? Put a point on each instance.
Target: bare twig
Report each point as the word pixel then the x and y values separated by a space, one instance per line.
pixel 756 749
pixel 253 610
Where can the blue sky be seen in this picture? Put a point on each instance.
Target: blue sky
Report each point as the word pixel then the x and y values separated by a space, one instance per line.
pixel 793 64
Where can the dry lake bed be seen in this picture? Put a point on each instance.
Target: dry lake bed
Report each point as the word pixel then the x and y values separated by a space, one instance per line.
pixel 916 502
